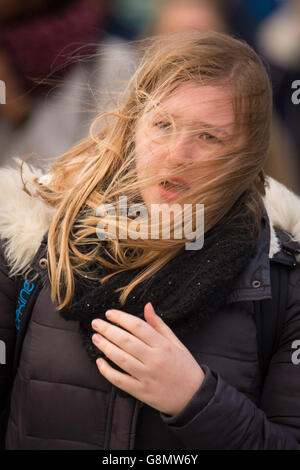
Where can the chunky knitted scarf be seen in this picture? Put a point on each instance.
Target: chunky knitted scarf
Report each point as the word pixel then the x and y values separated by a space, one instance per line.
pixel 190 287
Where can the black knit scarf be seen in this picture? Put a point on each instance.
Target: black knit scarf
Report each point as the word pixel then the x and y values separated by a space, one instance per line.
pixel 191 286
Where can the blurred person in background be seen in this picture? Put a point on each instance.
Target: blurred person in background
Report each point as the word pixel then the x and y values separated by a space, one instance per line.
pixel 184 15
pixel 278 39
pixel 128 18
pixel 245 16
pixel 59 68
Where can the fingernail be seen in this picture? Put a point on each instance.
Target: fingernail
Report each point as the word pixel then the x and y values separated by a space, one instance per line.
pixel 100 362
pixel 151 306
pixel 109 313
pixel 96 324
pixel 95 338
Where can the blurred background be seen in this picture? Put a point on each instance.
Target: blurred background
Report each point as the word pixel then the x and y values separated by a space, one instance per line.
pixel 63 62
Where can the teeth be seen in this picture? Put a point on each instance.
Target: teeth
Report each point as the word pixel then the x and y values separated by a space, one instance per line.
pixel 173 183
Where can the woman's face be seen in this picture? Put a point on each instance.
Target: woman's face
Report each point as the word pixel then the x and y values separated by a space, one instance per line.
pixel 203 123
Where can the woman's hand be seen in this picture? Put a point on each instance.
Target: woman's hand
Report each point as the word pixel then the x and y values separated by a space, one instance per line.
pixel 162 372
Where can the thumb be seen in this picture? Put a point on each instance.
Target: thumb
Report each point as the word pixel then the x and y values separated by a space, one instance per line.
pixel 160 326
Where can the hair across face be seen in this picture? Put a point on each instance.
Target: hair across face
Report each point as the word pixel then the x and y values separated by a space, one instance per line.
pixel 178 138
pixel 207 77
pixel 198 111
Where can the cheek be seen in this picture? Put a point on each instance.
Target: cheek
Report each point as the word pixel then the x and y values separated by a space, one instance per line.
pixel 147 154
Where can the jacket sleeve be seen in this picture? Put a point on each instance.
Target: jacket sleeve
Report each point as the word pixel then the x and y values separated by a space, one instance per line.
pixel 8 290
pixel 220 417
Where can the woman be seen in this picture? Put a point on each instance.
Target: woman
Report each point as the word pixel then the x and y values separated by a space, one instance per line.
pixel 139 340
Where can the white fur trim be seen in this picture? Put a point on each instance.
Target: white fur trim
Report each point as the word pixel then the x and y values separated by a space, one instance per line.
pixel 274 242
pixel 23 219
pixel 283 208
pixel 45 179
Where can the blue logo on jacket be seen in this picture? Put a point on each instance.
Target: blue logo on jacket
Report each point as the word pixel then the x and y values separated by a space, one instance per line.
pixel 22 302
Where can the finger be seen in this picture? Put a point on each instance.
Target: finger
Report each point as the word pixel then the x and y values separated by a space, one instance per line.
pixel 138 327
pixel 160 326
pixel 121 358
pixel 123 381
pixel 123 339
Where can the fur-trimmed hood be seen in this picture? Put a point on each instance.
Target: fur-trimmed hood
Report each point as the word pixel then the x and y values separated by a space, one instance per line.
pixel 25 219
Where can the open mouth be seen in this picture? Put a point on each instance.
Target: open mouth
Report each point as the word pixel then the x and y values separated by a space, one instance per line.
pixel 170 189
pixel 173 185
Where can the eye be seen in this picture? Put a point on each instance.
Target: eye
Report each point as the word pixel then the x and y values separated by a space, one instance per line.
pixel 164 125
pixel 206 136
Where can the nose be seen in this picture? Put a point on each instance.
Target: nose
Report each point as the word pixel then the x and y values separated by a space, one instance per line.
pixel 179 150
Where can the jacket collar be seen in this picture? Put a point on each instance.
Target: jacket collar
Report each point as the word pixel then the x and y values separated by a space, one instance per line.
pixel 275 245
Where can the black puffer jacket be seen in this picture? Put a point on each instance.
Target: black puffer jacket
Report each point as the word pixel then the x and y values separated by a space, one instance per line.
pixel 61 401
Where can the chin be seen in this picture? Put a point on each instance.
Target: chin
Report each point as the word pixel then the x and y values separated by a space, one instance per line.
pixel 152 198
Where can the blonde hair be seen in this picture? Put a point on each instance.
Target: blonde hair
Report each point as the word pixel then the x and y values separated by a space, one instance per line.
pixel 102 167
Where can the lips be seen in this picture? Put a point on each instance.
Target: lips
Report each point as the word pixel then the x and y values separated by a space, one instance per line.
pixel 176 184
pixel 171 188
